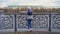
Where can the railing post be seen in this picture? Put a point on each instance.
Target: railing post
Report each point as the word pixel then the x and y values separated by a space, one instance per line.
pixel 15 23
pixel 50 22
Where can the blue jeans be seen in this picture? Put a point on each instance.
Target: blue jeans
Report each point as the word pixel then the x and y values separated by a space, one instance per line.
pixel 29 23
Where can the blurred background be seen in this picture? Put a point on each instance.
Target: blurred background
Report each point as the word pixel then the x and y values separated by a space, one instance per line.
pixel 46 16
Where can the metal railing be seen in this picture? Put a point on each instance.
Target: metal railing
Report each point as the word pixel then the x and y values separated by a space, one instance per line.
pixel 40 22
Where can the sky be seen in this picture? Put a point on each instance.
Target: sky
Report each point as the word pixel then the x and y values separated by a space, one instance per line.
pixel 4 3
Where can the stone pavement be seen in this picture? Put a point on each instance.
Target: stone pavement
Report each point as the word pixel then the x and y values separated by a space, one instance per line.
pixel 32 32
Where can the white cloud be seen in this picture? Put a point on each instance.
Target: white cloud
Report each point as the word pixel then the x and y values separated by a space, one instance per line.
pixel 32 2
pixel 3 5
pixel 12 2
pixel 40 2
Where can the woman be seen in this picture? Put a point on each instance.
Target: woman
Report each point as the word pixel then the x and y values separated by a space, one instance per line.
pixel 29 18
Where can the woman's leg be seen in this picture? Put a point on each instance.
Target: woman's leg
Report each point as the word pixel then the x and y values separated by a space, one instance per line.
pixel 29 23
